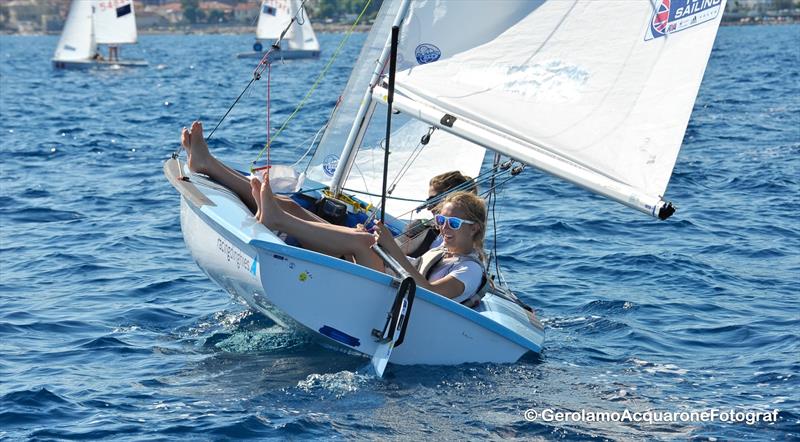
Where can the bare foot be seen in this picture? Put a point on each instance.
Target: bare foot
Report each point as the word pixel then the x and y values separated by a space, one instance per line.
pixel 255 190
pixel 196 148
pixel 270 213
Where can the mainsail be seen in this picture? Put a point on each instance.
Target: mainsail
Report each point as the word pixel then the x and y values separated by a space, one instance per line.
pixel 272 19
pixel 114 22
pixel 431 31
pixel 595 92
pixel 76 42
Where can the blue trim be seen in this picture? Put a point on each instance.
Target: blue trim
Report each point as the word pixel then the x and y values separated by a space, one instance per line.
pixel 214 215
pixel 340 336
pixel 382 278
pixel 324 260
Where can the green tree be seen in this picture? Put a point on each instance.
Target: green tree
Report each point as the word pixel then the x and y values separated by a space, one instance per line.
pixel 782 4
pixel 191 11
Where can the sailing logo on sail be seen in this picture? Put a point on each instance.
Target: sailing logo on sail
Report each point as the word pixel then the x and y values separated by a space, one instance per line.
pixel 427 53
pixel 329 164
pixel 672 16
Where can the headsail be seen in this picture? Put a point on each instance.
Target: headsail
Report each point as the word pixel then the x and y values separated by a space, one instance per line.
pixel 76 41
pixel 432 31
pixel 595 92
pixel 114 22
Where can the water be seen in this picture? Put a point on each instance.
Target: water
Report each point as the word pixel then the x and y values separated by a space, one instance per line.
pixel 108 330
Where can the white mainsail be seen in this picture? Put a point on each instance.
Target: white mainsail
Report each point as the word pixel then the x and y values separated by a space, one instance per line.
pixel 76 42
pixel 432 31
pixel 114 22
pixel 273 18
pixel 595 92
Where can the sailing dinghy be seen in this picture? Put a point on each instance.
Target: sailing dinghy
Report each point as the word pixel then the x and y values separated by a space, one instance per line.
pixel 598 93
pixel 94 22
pixel 299 42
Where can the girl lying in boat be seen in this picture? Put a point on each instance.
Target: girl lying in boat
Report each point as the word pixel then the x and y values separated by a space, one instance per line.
pixel 458 273
pixel 455 269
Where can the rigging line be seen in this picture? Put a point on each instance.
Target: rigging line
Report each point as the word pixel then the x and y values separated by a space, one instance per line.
pixel 324 126
pixel 317 81
pixel 310 146
pixel 424 140
pixel 481 178
pixel 256 76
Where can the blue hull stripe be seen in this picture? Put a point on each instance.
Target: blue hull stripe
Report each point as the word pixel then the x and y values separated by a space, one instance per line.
pixel 338 335
pixel 379 277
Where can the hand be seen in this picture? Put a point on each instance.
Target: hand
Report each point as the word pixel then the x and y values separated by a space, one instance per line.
pixel 382 234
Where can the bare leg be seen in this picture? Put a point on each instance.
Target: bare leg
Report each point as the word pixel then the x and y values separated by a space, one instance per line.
pixel 201 161
pixel 321 237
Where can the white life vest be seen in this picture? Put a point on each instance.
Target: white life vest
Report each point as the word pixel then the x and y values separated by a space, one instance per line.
pixel 432 257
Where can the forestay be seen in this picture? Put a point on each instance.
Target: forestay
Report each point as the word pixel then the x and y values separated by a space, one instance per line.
pixel 431 32
pixel 114 22
pixel 596 92
pixel 76 43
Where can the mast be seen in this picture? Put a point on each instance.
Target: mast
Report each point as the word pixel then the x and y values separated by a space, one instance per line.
pixel 356 131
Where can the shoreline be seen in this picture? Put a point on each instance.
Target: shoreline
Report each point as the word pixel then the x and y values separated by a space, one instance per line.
pixel 323 28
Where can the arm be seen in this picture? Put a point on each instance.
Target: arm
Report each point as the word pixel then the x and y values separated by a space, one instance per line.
pixel 449 286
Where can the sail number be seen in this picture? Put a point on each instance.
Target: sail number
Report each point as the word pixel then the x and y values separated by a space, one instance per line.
pixel 111 4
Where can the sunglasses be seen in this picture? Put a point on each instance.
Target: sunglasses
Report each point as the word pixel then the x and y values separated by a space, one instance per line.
pixel 452 221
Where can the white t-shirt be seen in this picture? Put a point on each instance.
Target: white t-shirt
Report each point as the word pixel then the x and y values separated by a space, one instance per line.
pixel 469 272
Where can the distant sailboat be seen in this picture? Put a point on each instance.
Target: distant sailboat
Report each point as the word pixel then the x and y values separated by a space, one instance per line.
pixel 90 23
pixel 299 41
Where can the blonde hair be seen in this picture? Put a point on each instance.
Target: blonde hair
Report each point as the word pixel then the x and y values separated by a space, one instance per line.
pixel 474 208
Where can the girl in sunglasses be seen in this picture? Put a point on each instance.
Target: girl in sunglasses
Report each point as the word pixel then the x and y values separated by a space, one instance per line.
pixel 421 236
pixel 454 270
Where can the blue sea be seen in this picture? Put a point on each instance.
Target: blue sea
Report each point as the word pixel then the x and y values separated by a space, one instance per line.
pixel 109 331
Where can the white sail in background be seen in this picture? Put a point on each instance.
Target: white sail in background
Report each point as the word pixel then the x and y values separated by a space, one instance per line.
pixel 596 92
pixel 432 31
pixel 114 21
pixel 303 36
pixel 272 19
pixel 76 41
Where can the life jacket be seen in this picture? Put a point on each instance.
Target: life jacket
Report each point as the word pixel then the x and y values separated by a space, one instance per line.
pixel 425 245
pixel 430 259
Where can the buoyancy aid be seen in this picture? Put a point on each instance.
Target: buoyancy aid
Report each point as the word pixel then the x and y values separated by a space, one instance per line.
pixel 428 261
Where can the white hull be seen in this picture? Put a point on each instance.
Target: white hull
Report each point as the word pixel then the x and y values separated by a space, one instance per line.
pixel 98 64
pixel 333 298
pixel 287 54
